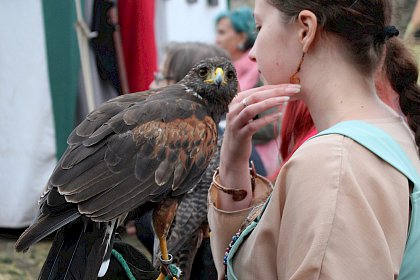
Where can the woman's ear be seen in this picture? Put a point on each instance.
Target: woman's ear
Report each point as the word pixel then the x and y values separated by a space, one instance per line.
pixel 242 37
pixel 308 26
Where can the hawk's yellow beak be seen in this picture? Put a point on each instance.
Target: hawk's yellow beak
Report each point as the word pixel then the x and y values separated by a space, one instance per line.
pixel 217 77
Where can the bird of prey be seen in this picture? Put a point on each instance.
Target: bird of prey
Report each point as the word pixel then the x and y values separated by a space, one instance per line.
pixel 134 153
pixel 190 223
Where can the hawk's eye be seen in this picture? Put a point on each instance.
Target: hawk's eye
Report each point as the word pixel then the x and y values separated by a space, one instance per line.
pixel 203 72
pixel 230 75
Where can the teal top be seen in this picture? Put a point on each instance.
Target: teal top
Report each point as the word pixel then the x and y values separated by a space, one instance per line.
pixel 385 147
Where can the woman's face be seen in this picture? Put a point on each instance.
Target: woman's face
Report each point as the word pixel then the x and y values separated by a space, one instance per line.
pixel 277 50
pixel 226 36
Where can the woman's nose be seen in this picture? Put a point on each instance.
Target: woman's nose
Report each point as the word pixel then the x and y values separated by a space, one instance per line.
pixel 251 54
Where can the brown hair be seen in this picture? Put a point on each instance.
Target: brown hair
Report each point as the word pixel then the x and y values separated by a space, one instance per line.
pixel 181 57
pixel 361 25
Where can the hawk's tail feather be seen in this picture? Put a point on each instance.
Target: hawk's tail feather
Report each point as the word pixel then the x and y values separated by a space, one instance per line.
pixel 44 227
pixel 78 250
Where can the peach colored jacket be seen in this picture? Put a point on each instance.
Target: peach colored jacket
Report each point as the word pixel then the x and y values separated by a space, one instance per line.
pixel 337 211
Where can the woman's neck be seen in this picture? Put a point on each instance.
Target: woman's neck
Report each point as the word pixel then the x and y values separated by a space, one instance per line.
pixel 335 91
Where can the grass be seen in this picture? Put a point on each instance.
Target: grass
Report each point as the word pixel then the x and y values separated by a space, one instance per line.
pixel 21 266
pixel 26 266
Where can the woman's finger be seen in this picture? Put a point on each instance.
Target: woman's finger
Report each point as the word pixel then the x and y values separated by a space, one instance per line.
pixel 253 126
pixel 245 93
pixel 249 112
pixel 288 90
pixel 250 97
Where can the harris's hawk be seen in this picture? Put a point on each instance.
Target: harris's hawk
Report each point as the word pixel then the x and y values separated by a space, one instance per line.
pixel 134 153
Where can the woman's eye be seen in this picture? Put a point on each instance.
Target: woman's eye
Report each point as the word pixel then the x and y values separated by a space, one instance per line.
pixel 230 75
pixel 203 72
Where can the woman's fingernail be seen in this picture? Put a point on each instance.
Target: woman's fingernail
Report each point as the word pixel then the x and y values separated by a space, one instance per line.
pixel 292 90
pixel 282 99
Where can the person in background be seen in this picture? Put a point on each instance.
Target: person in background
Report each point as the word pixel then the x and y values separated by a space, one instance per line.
pixel 328 216
pixel 235 33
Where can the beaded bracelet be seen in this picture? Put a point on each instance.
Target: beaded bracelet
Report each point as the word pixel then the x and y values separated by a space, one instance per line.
pixel 237 194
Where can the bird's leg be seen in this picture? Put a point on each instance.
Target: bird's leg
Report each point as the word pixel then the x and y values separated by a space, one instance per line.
pixel 162 220
pixel 164 248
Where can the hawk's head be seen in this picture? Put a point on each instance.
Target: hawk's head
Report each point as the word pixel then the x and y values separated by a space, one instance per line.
pixel 214 80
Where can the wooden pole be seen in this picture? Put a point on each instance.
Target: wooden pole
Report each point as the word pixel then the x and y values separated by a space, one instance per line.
pixel 83 36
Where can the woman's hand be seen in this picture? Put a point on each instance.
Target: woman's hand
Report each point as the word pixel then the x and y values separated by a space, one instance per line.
pixel 237 139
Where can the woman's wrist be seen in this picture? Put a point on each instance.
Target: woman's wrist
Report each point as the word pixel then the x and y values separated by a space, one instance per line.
pixel 234 177
pixel 226 198
pixel 228 167
pixel 238 194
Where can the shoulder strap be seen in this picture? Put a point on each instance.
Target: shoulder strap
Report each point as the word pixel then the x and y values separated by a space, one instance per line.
pixel 382 144
pixel 379 143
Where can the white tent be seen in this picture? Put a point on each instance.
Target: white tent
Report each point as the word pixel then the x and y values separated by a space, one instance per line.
pixel 27 142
